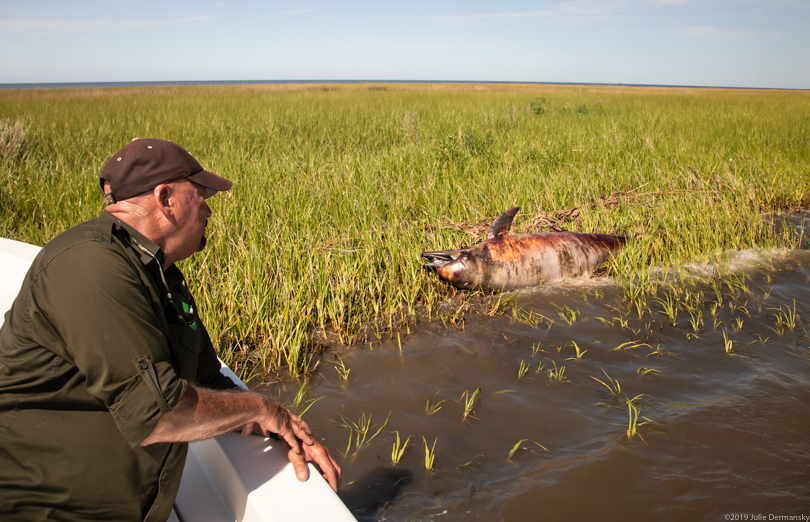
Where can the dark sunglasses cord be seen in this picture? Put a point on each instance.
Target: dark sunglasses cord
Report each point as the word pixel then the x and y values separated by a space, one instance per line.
pixel 173 314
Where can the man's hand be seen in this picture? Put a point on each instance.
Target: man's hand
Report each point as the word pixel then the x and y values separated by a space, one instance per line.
pixel 314 452
pixel 321 456
pixel 285 424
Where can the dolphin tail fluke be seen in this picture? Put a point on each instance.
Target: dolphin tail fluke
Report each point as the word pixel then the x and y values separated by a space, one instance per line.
pixel 501 226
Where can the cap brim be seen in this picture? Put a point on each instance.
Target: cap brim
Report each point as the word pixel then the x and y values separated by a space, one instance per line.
pixel 211 182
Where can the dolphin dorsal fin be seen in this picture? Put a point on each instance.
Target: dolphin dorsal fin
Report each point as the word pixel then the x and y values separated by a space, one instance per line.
pixel 500 227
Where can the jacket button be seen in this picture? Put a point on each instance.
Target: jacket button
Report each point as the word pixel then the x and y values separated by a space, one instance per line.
pixel 143 365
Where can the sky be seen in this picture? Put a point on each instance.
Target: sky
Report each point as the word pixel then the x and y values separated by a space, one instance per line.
pixel 719 43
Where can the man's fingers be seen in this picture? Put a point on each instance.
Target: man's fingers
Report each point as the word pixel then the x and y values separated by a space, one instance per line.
pixel 291 441
pixel 305 437
pixel 301 429
pixel 298 420
pixel 322 457
pixel 299 465
pixel 331 472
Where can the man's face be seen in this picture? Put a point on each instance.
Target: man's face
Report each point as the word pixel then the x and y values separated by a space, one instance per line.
pixel 191 215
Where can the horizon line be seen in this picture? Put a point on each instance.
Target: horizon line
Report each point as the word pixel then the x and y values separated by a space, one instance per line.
pixel 182 83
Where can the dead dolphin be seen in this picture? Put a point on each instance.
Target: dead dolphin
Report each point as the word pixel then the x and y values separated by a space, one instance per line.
pixel 504 262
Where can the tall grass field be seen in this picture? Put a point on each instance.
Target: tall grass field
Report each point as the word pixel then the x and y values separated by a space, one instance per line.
pixel 339 188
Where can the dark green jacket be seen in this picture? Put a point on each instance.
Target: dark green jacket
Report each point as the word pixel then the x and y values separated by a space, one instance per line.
pixel 88 364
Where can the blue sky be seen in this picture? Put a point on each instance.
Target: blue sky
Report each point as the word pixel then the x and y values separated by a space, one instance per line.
pixel 754 43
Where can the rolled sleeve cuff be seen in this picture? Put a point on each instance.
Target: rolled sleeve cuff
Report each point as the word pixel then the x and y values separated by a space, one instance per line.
pixel 154 391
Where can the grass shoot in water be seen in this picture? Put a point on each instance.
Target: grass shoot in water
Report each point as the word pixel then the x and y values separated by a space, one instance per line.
pixel 556 374
pixel 522 369
pixel 614 387
pixel 342 371
pixel 514 450
pixel 398 449
pixel 298 400
pixel 469 403
pixel 579 353
pixel 430 454
pixel 433 407
pixel 359 432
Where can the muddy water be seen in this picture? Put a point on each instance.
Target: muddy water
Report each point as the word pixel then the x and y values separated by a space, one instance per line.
pixel 718 434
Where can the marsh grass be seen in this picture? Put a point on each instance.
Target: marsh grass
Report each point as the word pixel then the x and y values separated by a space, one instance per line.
pixel 556 374
pixel 398 449
pixel 359 432
pixel 670 306
pixel 728 344
pixel 658 352
pixel 578 353
pixel 629 345
pixel 517 447
pixel 337 190
pixel 433 407
pixel 300 405
pixel 13 139
pixel 430 454
pixel 786 317
pixel 529 317
pixel 468 400
pixel 696 320
pixel 566 314
pixel 342 371
pixel 738 324
pixel 633 412
pixel 612 385
pixel 522 369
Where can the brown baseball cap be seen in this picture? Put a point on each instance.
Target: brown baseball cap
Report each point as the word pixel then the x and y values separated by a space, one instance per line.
pixel 146 163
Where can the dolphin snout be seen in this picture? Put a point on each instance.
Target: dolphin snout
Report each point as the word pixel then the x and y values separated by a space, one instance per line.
pixel 439 259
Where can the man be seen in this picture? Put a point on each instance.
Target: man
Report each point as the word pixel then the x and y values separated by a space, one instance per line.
pixel 106 370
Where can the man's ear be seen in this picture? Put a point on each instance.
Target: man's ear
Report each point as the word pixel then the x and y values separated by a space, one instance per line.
pixel 162 195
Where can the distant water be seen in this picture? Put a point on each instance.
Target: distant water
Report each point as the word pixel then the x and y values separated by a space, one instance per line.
pixel 101 85
pixel 74 85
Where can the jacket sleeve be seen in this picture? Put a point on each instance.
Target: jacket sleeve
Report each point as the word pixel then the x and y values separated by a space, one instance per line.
pixel 93 307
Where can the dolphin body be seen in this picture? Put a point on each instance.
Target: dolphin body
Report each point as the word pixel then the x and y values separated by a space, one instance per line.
pixel 504 262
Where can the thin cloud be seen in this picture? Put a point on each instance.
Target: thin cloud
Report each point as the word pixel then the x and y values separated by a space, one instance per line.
pixel 281 14
pixel 572 9
pixel 707 32
pixel 724 33
pixel 294 12
pixel 64 25
pixel 796 4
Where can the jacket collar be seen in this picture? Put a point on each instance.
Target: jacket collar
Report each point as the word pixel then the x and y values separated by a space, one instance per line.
pixel 133 234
